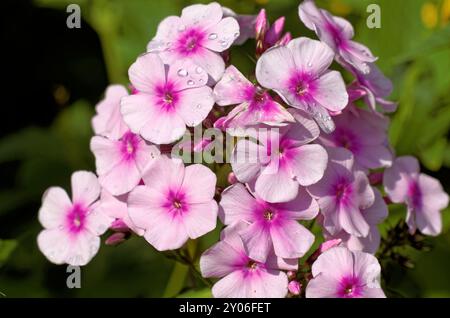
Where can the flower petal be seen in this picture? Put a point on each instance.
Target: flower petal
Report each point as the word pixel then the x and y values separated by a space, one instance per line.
pixel 236 204
pixel 219 260
pixel 85 187
pixel 123 178
pixel 195 105
pixel 276 185
pixel 107 153
pixel 274 67
pixel 245 160
pixel 331 92
pixel 230 90
pixel 309 164
pixel 147 72
pixel 164 173
pixel 202 15
pixel 200 219
pixel 55 204
pixel 311 55
pixel 290 239
pixel 257 241
pixel 226 31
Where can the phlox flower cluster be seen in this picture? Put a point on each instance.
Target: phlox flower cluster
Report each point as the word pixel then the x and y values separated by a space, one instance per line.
pixel 327 139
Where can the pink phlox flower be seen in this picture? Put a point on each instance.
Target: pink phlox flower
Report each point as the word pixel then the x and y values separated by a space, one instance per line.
pixel 242 277
pixel 281 160
pixel 199 35
pixel 121 163
pixel 299 73
pixel 373 215
pixel 72 227
pixel 374 87
pixel 422 194
pixel 273 227
pixel 175 204
pixel 169 98
pixel 364 134
pixel 108 121
pixel 342 194
pixel 254 104
pixel 341 273
pixel 337 33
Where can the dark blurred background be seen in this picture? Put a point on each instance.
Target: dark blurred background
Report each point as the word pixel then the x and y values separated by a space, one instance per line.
pixel 54 76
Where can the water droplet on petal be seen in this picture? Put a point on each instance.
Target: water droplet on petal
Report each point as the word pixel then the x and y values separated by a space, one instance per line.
pixel 182 72
pixel 199 106
pixel 212 36
pixel 190 82
pixel 200 80
pixel 325 122
pixel 236 35
pixel 223 43
pixel 309 64
pixel 198 70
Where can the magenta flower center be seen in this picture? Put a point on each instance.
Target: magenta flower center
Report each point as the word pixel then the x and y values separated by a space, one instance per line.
pixel 76 218
pixel 302 86
pixel 347 139
pixel 176 202
pixel 342 191
pixel 415 194
pixel 167 97
pixel 190 41
pixel 350 287
pixel 268 215
pixel 129 145
pixel 252 265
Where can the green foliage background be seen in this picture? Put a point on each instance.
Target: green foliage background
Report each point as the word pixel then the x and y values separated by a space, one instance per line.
pixel 413 46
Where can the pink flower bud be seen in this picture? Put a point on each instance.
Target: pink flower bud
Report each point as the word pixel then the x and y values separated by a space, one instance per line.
pixel 294 287
pixel 328 244
pixel 274 33
pixel 261 25
pixel 116 238
pixel 285 39
pixel 119 226
pixel 232 178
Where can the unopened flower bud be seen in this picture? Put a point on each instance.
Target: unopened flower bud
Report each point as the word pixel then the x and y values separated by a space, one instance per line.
pixel 261 25
pixel 116 239
pixel 232 178
pixel 274 33
pixel 285 39
pixel 294 287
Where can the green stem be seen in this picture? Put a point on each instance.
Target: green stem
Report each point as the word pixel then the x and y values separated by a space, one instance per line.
pixel 181 270
pixel 176 280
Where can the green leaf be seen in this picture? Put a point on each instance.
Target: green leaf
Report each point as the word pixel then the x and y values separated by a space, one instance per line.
pixel 432 157
pixel 28 143
pixel 6 248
